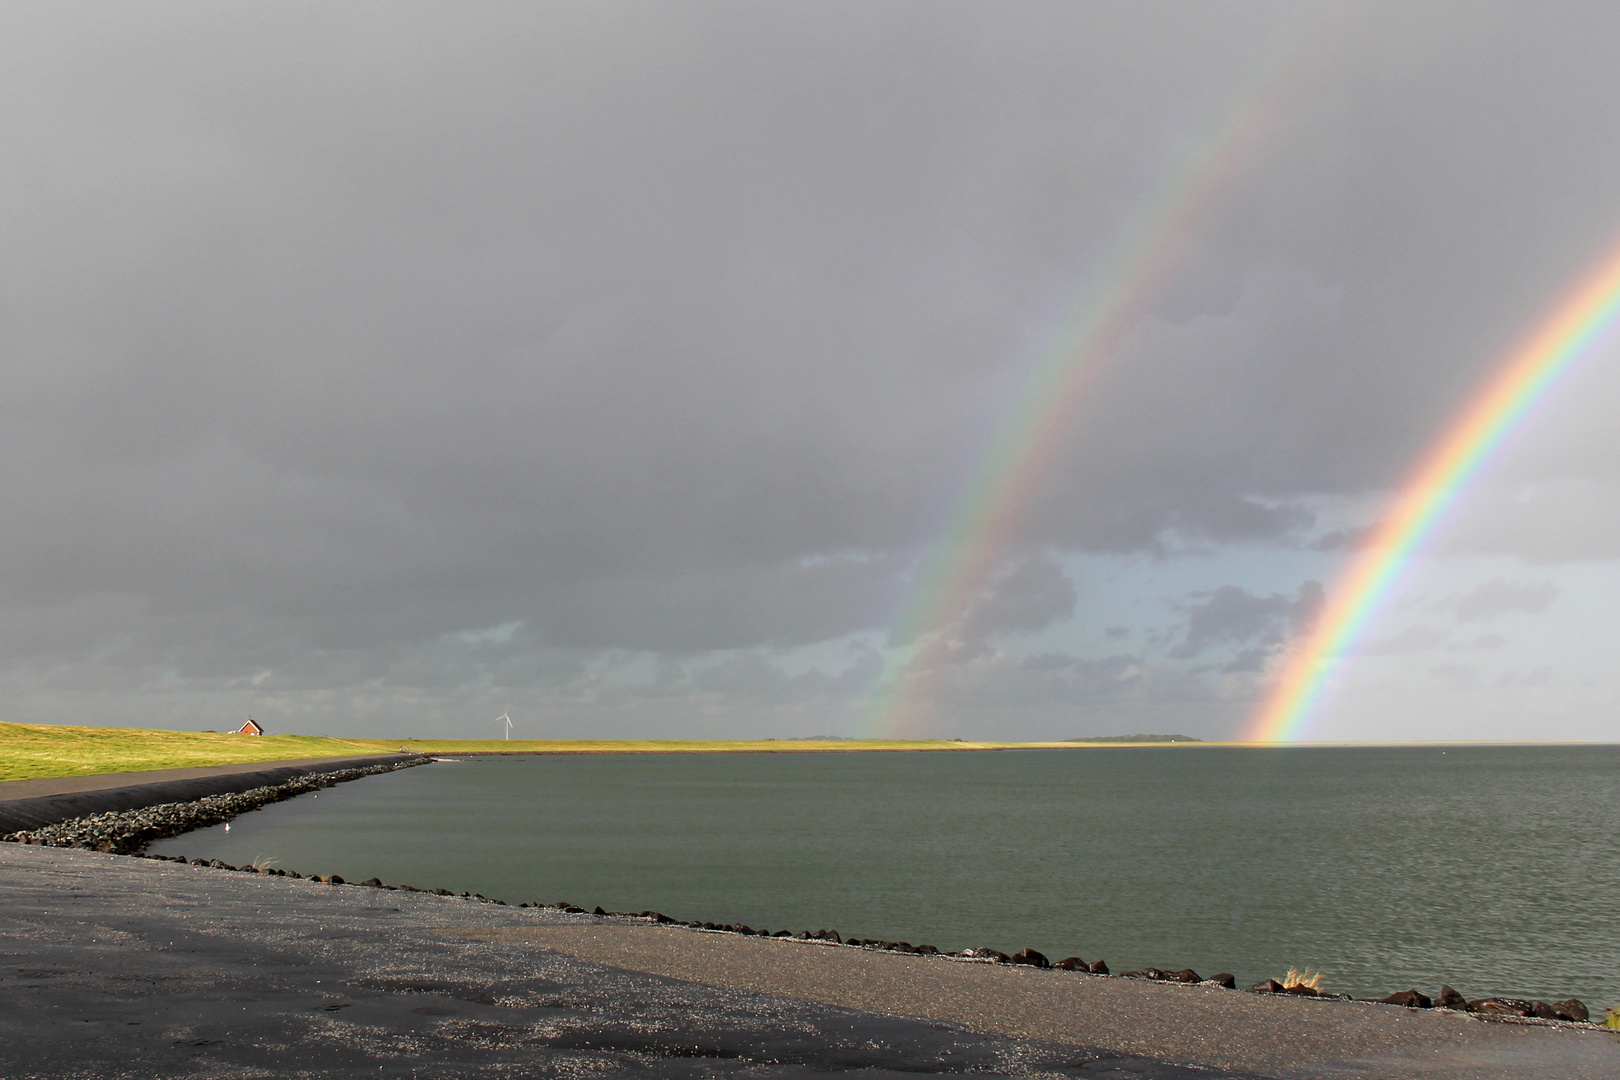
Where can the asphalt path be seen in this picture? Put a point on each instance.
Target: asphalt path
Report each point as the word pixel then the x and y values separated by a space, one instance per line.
pixel 121 967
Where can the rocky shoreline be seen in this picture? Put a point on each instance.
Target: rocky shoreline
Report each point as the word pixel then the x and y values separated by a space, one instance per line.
pixel 126 832
pixel 129 832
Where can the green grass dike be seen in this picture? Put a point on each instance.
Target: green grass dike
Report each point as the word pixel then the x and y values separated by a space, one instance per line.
pixel 41 751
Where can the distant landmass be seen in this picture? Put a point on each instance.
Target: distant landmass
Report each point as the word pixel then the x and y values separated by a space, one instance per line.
pixel 1136 738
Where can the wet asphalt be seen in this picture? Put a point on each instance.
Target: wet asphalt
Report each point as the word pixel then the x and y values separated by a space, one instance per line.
pixel 113 966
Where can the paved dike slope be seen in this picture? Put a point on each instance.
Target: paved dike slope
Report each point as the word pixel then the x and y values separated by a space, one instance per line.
pixel 32 804
pixel 129 967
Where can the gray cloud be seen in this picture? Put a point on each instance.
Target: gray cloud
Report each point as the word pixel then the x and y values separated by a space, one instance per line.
pixel 1033 596
pixel 1055 696
pixel 1459 676
pixel 1234 616
pixel 1499 596
pixel 331 333
pixel 1341 539
pixel 1247 662
pixel 1409 640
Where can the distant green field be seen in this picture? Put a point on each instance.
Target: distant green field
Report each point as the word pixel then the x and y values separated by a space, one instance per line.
pixel 36 751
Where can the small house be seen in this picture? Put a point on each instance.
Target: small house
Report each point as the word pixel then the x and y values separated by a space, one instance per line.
pixel 252 727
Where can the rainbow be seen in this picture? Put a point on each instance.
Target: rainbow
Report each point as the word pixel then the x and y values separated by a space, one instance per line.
pixel 1585 315
pixel 1000 489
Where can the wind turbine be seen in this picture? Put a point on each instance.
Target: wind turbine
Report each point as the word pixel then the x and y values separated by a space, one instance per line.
pixel 508 720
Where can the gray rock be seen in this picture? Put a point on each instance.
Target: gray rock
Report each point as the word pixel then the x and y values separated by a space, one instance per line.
pixel 1572 1009
pixel 1409 998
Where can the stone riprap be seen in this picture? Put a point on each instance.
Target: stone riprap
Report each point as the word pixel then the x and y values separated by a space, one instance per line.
pixel 128 831
pixel 27 805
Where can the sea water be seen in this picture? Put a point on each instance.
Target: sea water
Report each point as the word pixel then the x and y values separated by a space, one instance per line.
pixel 1493 868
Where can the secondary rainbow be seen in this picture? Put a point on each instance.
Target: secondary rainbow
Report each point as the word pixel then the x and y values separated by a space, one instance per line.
pixel 1584 316
pixel 997 495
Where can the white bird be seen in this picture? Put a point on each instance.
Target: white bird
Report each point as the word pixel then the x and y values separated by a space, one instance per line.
pixel 508 721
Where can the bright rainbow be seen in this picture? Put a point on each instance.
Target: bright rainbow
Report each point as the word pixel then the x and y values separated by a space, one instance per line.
pixel 997 496
pixel 1589 312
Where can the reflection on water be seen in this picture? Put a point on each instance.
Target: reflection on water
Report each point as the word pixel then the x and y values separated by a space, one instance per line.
pixel 1492 868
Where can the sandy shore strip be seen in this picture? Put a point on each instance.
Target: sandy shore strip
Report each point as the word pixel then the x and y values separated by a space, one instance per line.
pixel 117 966
pixel 1204 1024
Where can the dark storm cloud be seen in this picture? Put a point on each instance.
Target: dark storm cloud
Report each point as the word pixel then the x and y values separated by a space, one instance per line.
pixel 332 332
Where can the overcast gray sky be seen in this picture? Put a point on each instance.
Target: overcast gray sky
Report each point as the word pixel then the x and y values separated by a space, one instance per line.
pixel 379 368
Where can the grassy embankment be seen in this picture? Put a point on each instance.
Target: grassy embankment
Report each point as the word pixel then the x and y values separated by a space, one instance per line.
pixel 37 751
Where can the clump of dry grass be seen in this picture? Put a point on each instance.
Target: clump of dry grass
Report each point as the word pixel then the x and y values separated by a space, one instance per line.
pixel 1306 978
pixel 1612 1019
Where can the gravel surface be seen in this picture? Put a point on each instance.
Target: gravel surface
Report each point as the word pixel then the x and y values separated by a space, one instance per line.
pixel 125 967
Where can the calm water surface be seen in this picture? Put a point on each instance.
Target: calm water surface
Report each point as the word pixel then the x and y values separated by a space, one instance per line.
pixel 1496 869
